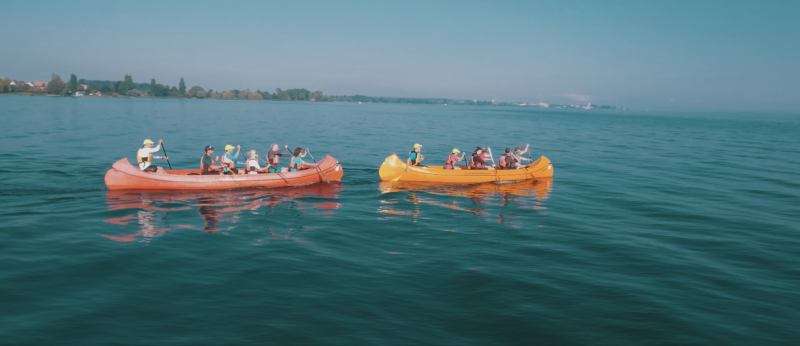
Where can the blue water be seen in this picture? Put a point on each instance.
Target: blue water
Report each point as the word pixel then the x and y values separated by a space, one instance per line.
pixel 658 228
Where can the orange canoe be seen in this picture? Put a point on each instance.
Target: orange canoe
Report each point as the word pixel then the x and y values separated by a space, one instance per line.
pixel 125 176
pixel 394 169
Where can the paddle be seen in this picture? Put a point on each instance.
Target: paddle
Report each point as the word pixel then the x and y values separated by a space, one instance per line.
pixel 165 154
pixel 491 157
pixel 246 158
pixel 225 166
pixel 320 169
pixel 529 157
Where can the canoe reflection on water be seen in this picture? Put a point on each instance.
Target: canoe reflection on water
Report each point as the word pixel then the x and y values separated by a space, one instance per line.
pixel 526 194
pixel 215 207
pixel 539 188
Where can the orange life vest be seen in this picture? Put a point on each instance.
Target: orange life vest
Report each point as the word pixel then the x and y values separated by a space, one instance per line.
pixel 149 158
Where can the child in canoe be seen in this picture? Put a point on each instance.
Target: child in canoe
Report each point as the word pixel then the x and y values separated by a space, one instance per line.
pixel 297 162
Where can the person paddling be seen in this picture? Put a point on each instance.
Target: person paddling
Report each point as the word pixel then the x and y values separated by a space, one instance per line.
pixel 228 160
pixel 518 155
pixel 273 157
pixel 453 158
pixel 414 157
pixel 145 157
pixel 252 165
pixel 297 162
pixel 478 159
pixel 507 160
pixel 207 163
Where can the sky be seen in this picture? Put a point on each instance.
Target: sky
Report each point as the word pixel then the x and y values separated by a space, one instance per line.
pixel 641 54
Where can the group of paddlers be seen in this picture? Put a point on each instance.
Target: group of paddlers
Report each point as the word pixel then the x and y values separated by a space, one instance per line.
pixel 226 164
pixel 478 159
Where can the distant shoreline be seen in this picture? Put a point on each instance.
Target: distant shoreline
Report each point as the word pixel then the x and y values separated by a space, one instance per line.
pixel 127 88
pixel 461 103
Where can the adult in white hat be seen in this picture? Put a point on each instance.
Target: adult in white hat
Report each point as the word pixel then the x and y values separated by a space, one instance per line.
pixel 145 157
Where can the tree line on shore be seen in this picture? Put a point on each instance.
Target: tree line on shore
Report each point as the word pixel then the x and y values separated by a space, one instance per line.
pixel 128 88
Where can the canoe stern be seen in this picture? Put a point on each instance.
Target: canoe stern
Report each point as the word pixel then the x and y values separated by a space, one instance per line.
pixel 392 168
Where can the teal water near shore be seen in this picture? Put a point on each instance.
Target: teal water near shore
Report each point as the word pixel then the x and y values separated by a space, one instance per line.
pixel 658 228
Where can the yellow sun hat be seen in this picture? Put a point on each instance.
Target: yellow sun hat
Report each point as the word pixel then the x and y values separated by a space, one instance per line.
pixel 147 141
pixel 229 147
pixel 417 145
pixel 456 151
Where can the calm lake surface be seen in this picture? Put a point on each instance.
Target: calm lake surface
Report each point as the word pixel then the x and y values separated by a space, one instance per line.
pixel 658 228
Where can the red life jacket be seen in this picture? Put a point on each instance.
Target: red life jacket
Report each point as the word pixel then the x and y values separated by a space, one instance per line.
pixel 475 164
pixel 451 163
pixel 204 168
pixel 229 164
pixel 274 160
pixel 292 164
pixel 510 161
pixel 502 161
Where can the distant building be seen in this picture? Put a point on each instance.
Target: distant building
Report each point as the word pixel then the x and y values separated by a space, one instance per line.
pixel 84 87
pixel 543 105
pixel 79 93
pixel 40 85
pixel 13 83
pixel 29 84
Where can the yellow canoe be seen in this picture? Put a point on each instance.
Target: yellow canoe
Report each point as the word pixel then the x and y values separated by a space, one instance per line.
pixel 394 169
